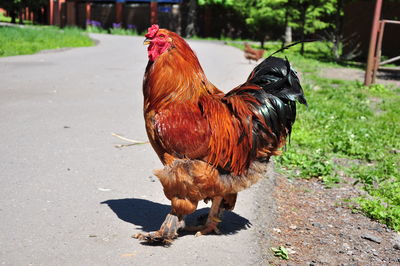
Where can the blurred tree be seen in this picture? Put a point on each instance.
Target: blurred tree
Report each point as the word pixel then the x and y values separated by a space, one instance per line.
pixel 189 17
pixel 287 37
pixel 337 28
pixel 262 15
pixel 223 2
pixel 317 15
pixel 334 33
pixel 308 15
pixel 304 16
pixel 15 7
pixel 191 21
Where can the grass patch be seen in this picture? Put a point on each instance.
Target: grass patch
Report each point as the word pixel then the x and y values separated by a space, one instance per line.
pixel 94 26
pixel 30 40
pixel 122 31
pixel 281 252
pixel 113 31
pixel 346 122
pixel 3 18
pixel 94 29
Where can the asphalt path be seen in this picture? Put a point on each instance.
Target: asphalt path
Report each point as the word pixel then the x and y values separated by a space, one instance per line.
pixel 67 195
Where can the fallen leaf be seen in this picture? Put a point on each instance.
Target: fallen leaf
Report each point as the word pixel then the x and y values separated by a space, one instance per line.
pixel 127 255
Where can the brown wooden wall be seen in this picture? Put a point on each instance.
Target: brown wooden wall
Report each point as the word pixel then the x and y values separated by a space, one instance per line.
pixel 357 22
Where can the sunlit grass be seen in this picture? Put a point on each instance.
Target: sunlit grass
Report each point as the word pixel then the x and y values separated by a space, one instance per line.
pixel 30 40
pixel 3 18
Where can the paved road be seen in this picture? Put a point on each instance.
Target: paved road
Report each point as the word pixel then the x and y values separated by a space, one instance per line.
pixel 68 196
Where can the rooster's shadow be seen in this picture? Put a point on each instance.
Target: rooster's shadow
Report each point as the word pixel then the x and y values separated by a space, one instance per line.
pixel 148 215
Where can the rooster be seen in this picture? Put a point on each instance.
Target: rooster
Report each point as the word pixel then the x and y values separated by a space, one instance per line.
pixel 252 54
pixel 212 144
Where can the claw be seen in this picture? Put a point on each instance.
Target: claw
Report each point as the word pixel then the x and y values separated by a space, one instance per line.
pixel 213 219
pixel 166 234
pixel 209 228
pixel 154 237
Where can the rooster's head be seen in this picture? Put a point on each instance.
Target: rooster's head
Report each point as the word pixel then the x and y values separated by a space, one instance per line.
pixel 158 40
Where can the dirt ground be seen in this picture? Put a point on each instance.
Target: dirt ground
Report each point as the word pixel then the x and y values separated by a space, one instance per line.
pixel 386 78
pixel 317 225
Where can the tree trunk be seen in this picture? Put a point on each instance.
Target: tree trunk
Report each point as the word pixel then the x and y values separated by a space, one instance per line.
pixel 303 23
pixel 13 16
pixel 288 35
pixel 183 10
pixel 21 21
pixel 177 15
pixel 191 21
pixel 338 30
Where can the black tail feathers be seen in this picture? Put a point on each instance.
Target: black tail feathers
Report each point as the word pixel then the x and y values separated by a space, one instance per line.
pixel 276 76
pixel 280 90
pixel 276 87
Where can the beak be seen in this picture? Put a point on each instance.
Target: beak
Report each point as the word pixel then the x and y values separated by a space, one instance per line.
pixel 146 42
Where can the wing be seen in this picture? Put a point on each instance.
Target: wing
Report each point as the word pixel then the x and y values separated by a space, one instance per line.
pixel 229 145
pixel 179 130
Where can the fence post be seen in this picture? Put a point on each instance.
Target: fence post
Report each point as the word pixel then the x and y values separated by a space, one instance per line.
pixel 88 12
pixel 51 12
pixel 119 11
pixel 153 12
pixel 71 13
pixel 369 72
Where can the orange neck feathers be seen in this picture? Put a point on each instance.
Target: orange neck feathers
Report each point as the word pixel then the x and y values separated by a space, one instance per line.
pixel 174 76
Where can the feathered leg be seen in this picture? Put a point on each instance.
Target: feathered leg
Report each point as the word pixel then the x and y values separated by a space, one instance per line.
pixel 213 219
pixel 167 232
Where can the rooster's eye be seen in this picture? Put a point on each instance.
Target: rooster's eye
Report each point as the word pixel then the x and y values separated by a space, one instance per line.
pixel 161 36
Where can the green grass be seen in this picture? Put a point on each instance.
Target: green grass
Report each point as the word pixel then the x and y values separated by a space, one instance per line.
pixel 121 31
pixel 93 29
pixel 113 31
pixel 30 40
pixel 231 41
pixel 3 18
pixel 350 123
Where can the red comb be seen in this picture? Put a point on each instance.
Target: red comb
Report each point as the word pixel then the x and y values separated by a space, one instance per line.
pixel 152 31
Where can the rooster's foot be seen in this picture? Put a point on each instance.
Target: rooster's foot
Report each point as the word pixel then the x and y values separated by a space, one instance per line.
pixel 167 232
pixel 211 226
pixel 155 237
pixel 213 219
